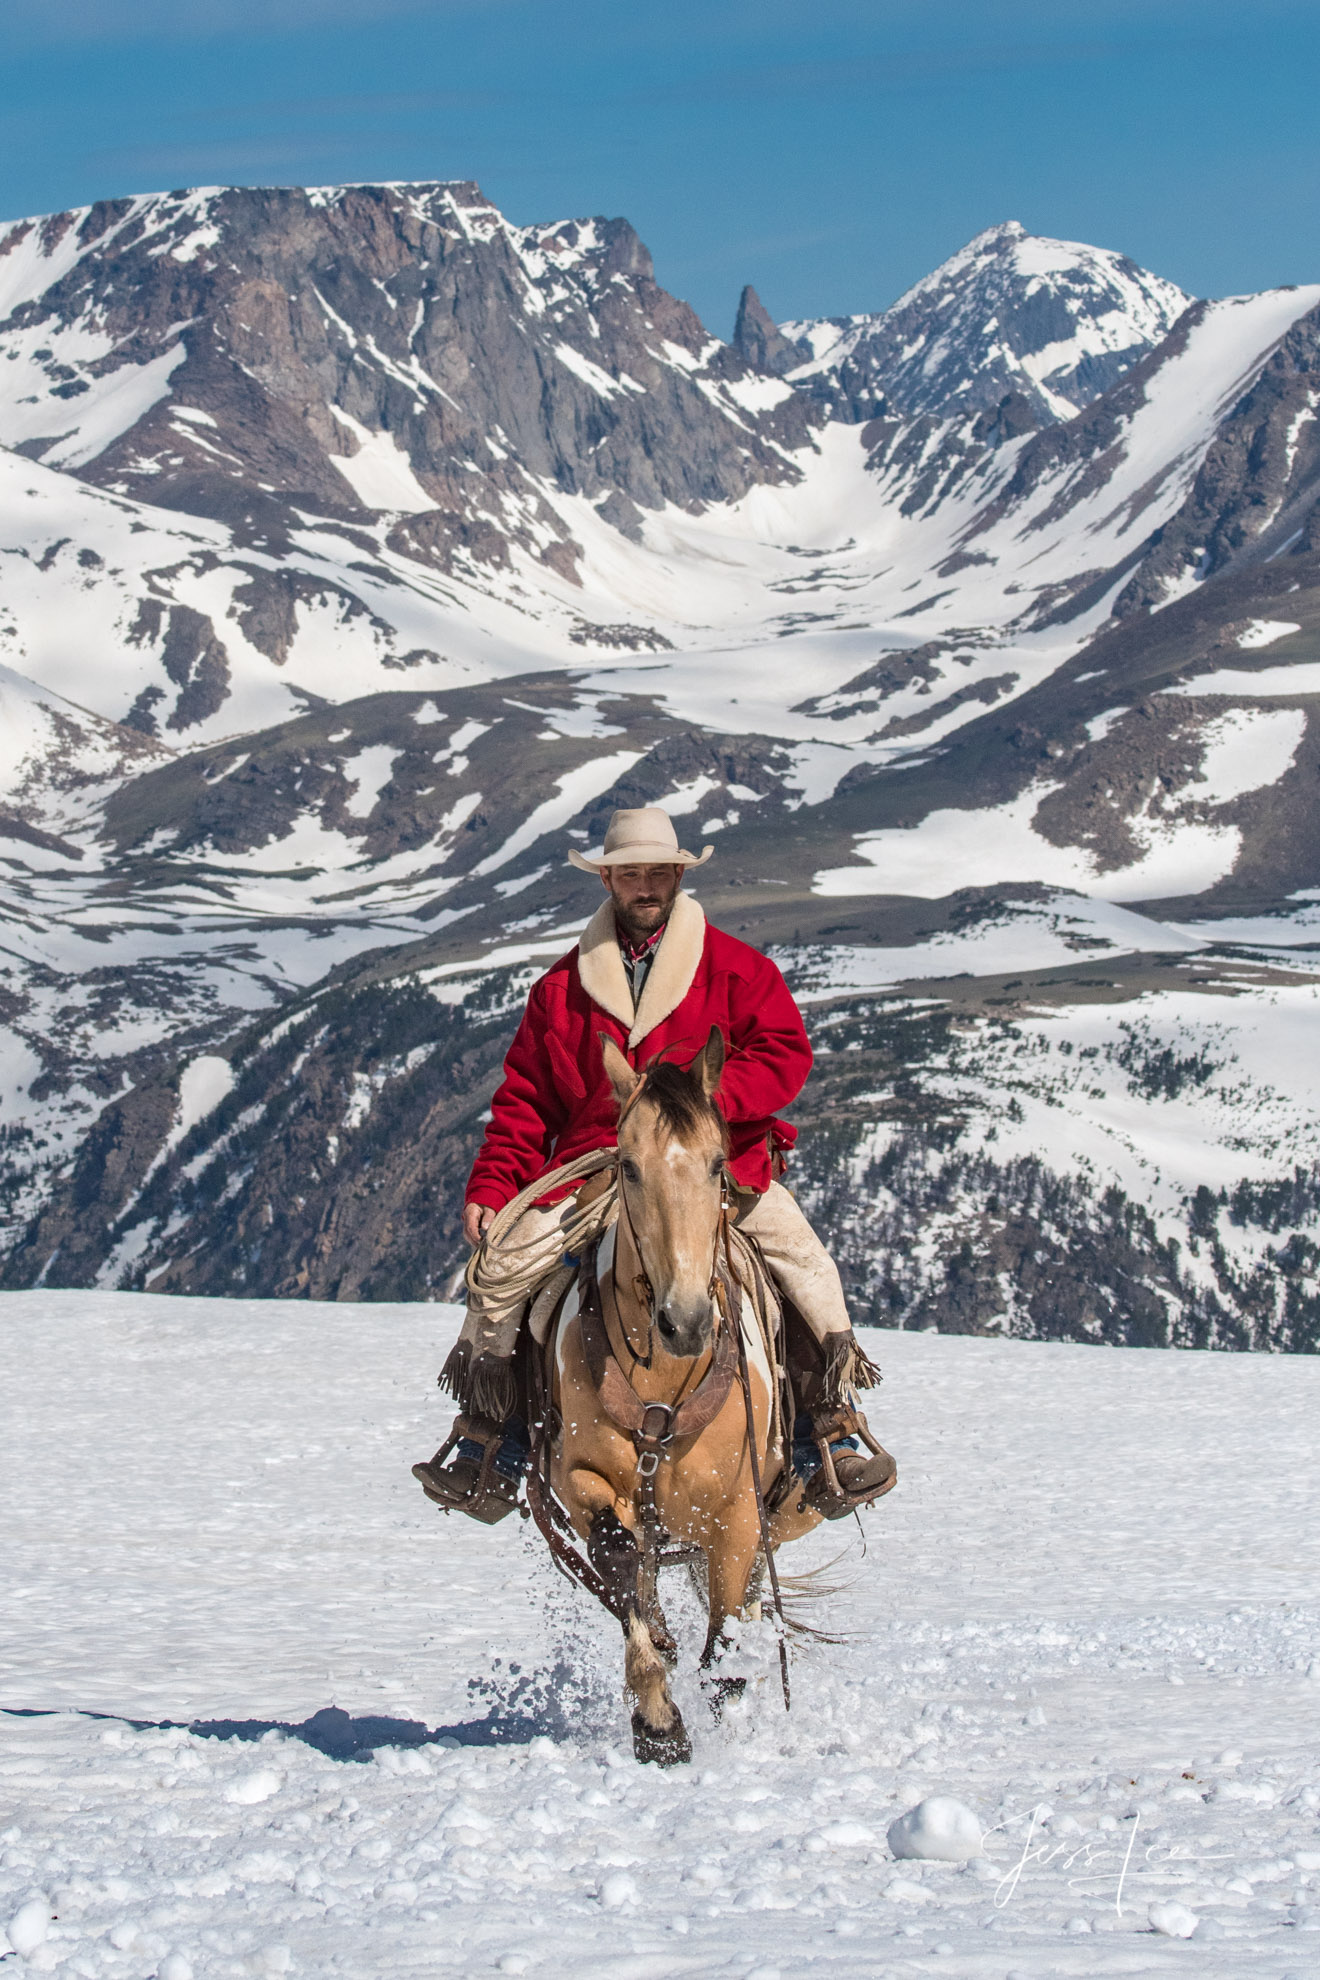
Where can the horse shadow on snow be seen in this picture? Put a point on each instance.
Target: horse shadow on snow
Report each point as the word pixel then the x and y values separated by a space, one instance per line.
pixel 521 1706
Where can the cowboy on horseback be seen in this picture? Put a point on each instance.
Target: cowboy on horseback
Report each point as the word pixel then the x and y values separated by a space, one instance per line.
pixel 654 978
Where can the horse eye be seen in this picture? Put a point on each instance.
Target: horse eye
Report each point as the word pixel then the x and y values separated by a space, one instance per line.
pixel 717 1166
pixel 631 1172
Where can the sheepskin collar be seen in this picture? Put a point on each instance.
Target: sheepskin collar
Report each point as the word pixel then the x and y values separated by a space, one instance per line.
pixel 600 967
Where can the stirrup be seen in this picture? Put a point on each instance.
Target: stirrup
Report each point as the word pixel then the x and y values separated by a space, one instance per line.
pixel 836 1497
pixel 471 1483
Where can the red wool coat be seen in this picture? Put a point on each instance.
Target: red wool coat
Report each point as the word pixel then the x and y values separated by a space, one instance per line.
pixel 555 1102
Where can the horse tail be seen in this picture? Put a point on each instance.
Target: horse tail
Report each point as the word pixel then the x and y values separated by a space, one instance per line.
pixel 803 1593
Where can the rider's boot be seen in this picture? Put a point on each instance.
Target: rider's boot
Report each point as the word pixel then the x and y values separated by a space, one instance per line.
pixel 482 1476
pixel 837 1478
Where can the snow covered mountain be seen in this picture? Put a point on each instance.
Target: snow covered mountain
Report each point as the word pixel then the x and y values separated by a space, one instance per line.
pixel 459 449
pixel 357 545
pixel 358 396
pixel 1054 323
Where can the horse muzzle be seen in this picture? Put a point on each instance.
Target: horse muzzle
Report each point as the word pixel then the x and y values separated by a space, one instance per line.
pixel 685 1326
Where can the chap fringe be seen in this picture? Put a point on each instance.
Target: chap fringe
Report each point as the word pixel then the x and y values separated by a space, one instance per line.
pixel 481 1385
pixel 847 1366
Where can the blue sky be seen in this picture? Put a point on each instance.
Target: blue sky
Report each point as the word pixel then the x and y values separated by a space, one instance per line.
pixel 830 151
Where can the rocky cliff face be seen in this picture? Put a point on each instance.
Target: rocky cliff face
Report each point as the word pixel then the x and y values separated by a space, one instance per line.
pixel 367 349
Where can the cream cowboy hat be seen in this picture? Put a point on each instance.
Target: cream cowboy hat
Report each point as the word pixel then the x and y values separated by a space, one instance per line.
pixel 644 837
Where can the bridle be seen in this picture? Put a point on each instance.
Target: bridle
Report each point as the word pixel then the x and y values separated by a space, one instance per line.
pixel 642 1287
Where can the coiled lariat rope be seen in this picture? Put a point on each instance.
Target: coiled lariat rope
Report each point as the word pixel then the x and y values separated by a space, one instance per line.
pixel 582 1224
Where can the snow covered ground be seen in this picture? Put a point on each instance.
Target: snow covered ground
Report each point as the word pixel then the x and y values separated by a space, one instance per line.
pixel 1089 1611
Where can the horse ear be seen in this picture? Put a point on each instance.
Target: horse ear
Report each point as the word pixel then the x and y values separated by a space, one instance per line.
pixel 711 1062
pixel 617 1070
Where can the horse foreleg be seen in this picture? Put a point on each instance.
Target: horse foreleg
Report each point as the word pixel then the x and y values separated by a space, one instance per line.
pixel 614 1553
pixel 657 1724
pixel 732 1560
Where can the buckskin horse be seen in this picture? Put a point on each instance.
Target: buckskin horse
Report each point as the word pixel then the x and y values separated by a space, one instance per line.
pixel 664 1418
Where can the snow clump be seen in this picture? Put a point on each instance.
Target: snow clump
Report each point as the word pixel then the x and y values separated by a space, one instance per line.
pixel 618 1891
pixel 28 1927
pixel 1174 1920
pixel 251 1788
pixel 941 1828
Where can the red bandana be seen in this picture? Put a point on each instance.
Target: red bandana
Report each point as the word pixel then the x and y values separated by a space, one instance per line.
pixel 639 949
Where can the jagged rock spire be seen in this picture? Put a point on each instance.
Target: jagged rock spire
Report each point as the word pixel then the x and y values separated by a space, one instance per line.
pixel 759 339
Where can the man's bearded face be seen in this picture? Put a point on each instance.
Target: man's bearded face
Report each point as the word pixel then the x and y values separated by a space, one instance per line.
pixel 643 896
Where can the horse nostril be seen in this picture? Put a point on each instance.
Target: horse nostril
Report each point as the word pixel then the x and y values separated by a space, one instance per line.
pixel 665 1324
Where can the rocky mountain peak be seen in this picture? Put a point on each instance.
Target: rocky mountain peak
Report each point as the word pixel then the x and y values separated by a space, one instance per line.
pixel 1011 312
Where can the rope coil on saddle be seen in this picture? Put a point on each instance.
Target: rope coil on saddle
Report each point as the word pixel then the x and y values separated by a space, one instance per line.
pixel 581 1225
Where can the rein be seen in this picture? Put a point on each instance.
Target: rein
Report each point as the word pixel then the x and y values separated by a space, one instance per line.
pixel 745 1379
pixel 641 1284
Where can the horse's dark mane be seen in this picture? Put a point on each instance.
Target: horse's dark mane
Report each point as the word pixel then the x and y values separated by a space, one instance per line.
pixel 681 1100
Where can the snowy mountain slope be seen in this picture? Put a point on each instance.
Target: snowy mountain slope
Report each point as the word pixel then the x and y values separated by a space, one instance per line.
pixel 1116 473
pixel 1159 807
pixel 1052 322
pixel 1256 492
pixel 145 615
pixel 998 554
pixel 58 762
pixel 1106 1151
pixel 1113 1667
pixel 1172 760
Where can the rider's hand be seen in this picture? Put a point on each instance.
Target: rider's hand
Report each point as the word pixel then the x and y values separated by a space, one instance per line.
pixel 477 1217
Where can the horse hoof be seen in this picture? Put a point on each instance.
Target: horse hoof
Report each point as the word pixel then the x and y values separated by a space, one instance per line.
pixel 724 1691
pixel 667 1749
